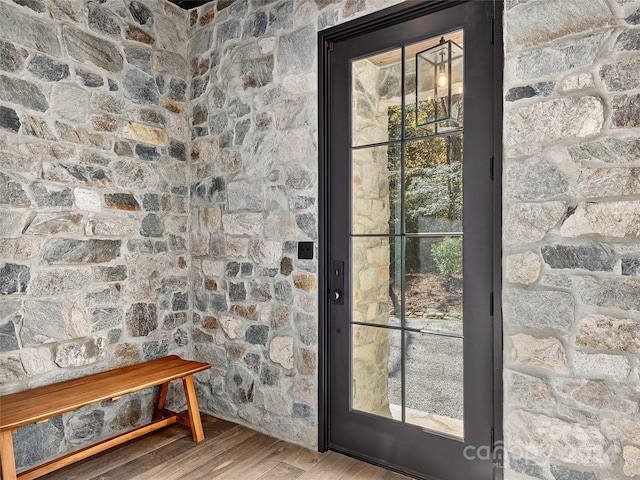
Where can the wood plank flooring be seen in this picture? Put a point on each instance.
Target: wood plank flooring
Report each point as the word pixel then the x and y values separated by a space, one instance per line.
pixel 228 452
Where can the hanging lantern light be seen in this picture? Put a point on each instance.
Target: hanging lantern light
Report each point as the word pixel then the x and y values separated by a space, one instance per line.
pixel 439 88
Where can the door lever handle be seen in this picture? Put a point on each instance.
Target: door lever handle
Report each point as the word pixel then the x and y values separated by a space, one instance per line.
pixel 336 283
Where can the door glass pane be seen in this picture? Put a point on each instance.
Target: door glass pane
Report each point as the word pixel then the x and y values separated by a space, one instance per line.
pixel 434 382
pixel 433 185
pixel 433 284
pixel 407 234
pixel 372 363
pixel 376 98
pixel 375 190
pixel 375 280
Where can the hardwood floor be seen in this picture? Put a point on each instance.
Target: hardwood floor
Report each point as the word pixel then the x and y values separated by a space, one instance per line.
pixel 228 452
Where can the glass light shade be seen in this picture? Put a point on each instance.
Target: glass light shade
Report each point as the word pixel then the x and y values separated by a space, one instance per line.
pixel 439 87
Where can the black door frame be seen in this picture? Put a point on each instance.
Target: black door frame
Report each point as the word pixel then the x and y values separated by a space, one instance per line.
pixel 381 19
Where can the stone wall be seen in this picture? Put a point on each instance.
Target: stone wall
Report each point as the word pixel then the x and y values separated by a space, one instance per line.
pixel 94 200
pixel 571 252
pixel 254 116
pixel 158 168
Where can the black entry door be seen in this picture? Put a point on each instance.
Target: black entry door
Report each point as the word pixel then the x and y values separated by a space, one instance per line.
pixel 408 130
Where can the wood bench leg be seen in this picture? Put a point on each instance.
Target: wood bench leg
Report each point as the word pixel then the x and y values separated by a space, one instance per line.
pixel 192 406
pixel 7 459
pixel 162 400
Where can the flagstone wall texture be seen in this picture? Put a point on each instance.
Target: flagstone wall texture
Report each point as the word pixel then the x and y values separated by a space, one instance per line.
pixel 570 239
pixel 157 168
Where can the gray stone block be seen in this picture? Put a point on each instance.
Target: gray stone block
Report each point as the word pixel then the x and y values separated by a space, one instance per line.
pixel 23 93
pixel 56 251
pixel 27 31
pixel 559 57
pixel 84 47
pixel 8 337
pixel 588 256
pixel 140 87
pixel 36 443
pixel 14 278
pixel 11 59
pixel 539 308
pixel 626 111
pixel 48 69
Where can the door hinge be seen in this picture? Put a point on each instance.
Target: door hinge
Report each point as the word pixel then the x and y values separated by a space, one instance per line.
pixel 330 46
pixel 491 168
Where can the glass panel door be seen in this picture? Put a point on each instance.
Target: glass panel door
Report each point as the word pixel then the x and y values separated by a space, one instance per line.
pixel 406 234
pixel 407 221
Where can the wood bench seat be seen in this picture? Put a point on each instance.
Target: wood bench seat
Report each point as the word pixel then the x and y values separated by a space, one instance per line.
pixel 39 404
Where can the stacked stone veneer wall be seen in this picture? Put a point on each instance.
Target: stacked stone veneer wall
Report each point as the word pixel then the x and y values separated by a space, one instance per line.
pixel 254 174
pixel 571 227
pixel 94 201
pixel 143 148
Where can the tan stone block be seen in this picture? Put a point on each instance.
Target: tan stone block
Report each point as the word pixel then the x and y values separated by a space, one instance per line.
pixel 600 332
pixel 630 431
pixel 145 134
pixel 210 322
pixel 554 439
pixel 104 123
pixel 281 351
pixel 523 267
pixel 308 360
pixel 305 282
pixel 631 457
pixel 547 353
pixel 174 107
pixel 611 219
pixel 527 391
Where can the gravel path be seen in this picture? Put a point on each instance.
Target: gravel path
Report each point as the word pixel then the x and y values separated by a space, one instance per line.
pixel 433 373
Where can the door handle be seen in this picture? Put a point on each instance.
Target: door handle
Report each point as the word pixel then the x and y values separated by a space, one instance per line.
pixel 336 285
pixel 335 295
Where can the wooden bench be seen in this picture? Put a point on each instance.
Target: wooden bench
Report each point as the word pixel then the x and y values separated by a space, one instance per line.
pixel 39 404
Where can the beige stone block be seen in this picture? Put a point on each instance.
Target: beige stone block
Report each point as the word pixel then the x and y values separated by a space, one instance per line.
pixel 527 391
pixel 601 332
pixel 577 82
pixel 104 123
pixel 145 134
pixel 300 83
pixel 233 327
pixel 69 102
pixel 530 222
pixel 305 282
pixel 554 119
pixel 36 361
pixel 281 351
pixel 534 23
pixel 631 457
pixel 630 431
pixel 547 353
pixel 242 223
pixel 88 200
pixel 610 219
pixel 540 436
pixel 523 267
pixel 276 402
pixel 293 145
